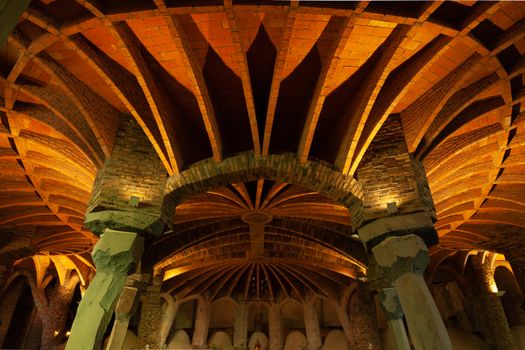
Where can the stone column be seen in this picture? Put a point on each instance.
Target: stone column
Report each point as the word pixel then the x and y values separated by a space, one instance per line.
pixel 404 260
pixel 126 307
pixel 497 330
pixel 168 316
pixel 202 321
pixel 342 315
pixel 311 325
pixel 115 255
pixel 240 330
pixel 394 312
pixel 276 329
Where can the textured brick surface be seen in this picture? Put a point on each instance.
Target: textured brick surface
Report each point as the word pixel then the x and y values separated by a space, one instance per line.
pixel 388 173
pixel 132 170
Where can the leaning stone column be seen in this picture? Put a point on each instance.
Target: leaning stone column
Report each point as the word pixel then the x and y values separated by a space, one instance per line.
pixel 496 326
pixel 202 321
pixel 311 324
pixel 125 308
pixel 125 206
pixel 168 316
pixel 276 330
pixel 394 312
pixel 404 260
pixel 240 330
pixel 115 255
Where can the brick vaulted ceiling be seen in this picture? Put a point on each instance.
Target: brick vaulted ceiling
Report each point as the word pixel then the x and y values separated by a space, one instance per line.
pixel 210 79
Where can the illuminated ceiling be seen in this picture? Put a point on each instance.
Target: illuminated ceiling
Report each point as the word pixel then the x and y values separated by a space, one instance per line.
pixel 211 79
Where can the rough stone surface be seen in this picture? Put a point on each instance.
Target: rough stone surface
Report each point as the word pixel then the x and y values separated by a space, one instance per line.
pixel 396 256
pixel 116 255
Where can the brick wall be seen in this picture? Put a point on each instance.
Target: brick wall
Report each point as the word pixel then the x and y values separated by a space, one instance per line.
pixel 134 169
pixel 364 320
pixel 388 173
pixel 150 317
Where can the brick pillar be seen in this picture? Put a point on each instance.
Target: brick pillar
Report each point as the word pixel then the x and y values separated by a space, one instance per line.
pixel 151 316
pixel 276 329
pixel 125 206
pixel 404 260
pixel 240 330
pixel 364 320
pixel 115 255
pixel 311 324
pixel 496 327
pixel 202 322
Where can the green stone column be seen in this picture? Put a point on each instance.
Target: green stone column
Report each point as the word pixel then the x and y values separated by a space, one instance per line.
pixel 10 12
pixel 403 259
pixel 116 255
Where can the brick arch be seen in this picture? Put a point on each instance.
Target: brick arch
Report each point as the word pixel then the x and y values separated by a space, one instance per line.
pixel 208 175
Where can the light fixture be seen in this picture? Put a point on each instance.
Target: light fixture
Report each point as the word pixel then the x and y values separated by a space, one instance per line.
pixel 56 333
pixel 391 208
pixel 134 201
pixel 68 333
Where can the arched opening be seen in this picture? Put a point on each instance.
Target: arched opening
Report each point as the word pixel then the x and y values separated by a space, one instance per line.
pixel 510 293
pixel 222 316
pixel 184 320
pixel 22 318
pixel 258 318
pixel 77 297
pixel 292 317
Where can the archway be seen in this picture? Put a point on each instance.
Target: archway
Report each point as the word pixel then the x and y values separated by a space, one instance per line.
pixel 243 167
pixel 23 315
pixel 295 341
pixel 258 338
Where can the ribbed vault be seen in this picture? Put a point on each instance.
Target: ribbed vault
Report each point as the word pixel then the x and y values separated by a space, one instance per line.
pixel 209 80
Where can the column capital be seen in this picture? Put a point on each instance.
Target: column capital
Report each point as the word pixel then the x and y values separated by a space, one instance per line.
pixel 396 256
pixel 118 252
pixel 419 224
pixel 391 304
